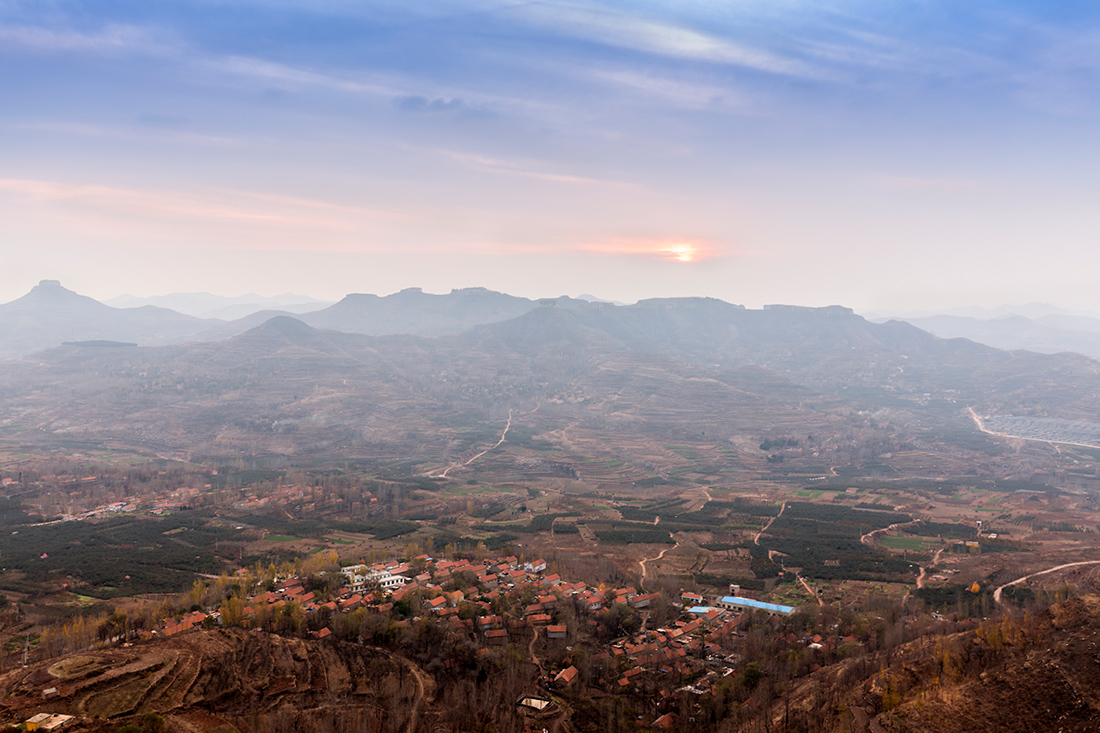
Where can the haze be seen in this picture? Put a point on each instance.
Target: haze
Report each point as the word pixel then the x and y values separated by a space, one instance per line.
pixel 878 155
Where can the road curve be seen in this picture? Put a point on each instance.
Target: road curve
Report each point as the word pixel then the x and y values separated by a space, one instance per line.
pixel 868 539
pixel 644 560
pixel 998 592
pixel 448 469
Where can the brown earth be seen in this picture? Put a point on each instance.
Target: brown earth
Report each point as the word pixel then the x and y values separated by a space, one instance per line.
pixel 229 680
pixel 1032 672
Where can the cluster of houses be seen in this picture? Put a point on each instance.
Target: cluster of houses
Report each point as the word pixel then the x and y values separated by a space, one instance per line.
pixel 533 596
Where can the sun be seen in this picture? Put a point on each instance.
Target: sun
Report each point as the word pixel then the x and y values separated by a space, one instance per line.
pixel 682 251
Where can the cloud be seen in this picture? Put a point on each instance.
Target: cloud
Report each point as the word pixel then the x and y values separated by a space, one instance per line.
pixel 659 38
pixel 146 131
pixel 109 39
pixel 423 104
pixel 669 89
pixel 293 76
pixel 919 183
pixel 526 169
pixel 261 214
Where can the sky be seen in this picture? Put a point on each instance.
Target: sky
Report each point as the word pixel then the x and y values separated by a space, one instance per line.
pixel 882 155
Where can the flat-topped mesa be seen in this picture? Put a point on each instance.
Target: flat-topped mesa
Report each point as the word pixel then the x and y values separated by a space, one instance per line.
pixel 837 310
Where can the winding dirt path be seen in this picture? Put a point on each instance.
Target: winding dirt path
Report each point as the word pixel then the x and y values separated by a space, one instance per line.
pixel 924 569
pixel 997 593
pixel 868 539
pixel 425 686
pixel 756 539
pixel 448 469
pixel 531 651
pixel 644 560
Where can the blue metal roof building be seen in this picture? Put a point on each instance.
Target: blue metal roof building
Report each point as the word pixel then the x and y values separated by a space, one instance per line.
pixel 750 604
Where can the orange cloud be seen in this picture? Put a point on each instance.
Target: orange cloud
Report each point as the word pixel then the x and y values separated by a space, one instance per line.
pixel 672 249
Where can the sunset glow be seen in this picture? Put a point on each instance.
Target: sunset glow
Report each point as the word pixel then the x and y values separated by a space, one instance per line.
pixel 674 250
pixel 682 252
pixel 533 148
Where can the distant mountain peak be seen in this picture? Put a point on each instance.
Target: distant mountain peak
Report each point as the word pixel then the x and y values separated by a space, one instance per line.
pixel 52 296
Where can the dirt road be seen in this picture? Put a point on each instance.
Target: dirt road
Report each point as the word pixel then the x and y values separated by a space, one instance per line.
pixel 448 469
pixel 756 539
pixel 997 593
pixel 868 539
pixel 924 570
pixel 425 686
pixel 531 651
pixel 644 560
pixel 810 590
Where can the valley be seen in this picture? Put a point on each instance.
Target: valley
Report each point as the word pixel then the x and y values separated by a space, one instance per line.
pixel 656 459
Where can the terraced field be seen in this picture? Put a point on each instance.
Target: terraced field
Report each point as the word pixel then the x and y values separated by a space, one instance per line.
pixel 224 677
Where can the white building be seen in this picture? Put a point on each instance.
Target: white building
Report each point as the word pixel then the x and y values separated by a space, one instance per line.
pixel 361 578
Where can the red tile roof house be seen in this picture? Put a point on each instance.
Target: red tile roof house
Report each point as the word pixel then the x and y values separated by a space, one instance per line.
pixel 566 676
pixel 592 603
pixel 556 632
pixel 488 622
pixel 496 636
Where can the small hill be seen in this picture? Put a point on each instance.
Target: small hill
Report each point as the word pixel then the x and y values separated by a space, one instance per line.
pixel 285 332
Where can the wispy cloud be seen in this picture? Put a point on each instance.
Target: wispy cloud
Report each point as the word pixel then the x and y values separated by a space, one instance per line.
pixel 294 76
pixel 261 214
pixel 109 39
pixel 659 38
pixel 921 183
pixel 131 134
pixel 527 169
pixel 667 89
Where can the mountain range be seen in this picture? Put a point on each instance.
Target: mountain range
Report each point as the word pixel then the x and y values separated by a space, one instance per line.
pixel 50 315
pixel 426 374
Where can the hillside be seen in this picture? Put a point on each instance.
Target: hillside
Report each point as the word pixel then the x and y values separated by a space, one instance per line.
pixel 678 368
pixel 1024 673
pixel 234 680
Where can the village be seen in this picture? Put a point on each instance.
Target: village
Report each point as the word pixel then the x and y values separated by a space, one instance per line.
pixel 506 601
